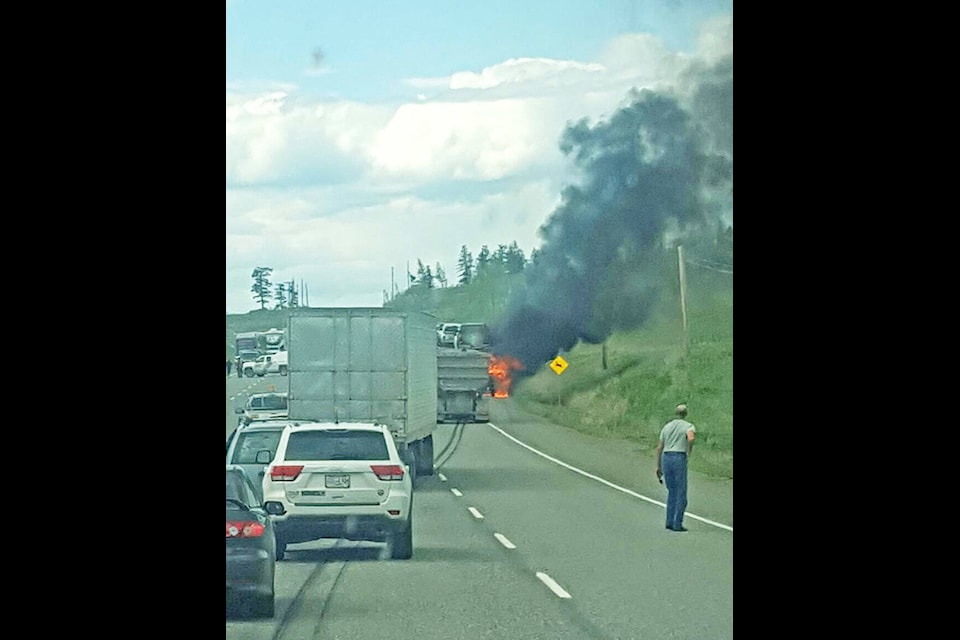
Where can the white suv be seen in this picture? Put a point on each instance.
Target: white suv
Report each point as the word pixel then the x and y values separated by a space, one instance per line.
pixel 447 333
pixel 271 405
pixel 343 480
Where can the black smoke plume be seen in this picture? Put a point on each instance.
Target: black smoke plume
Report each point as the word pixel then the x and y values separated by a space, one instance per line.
pixel 662 164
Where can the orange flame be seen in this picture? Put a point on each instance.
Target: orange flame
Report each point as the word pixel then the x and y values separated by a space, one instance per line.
pixel 499 370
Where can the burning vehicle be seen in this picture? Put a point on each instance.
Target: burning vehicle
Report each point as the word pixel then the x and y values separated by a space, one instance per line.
pixel 501 374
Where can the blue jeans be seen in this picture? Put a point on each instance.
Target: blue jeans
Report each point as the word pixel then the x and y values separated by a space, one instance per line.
pixel 674 465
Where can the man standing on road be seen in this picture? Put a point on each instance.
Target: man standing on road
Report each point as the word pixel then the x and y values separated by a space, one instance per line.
pixel 229 366
pixel 239 365
pixel 673 449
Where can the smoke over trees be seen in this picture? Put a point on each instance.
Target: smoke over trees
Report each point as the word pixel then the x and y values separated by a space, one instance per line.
pixel 657 170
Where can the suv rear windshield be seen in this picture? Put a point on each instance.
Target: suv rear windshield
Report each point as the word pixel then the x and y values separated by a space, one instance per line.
pixel 337 445
pixel 268 402
pixel 249 443
pixel 474 335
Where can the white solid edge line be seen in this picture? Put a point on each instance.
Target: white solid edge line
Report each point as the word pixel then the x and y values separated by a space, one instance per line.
pixel 602 481
pixel 476 514
pixel 503 540
pixel 456 492
pixel 557 589
pixel 442 477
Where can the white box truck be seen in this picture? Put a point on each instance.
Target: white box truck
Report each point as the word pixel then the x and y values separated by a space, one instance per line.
pixel 367 364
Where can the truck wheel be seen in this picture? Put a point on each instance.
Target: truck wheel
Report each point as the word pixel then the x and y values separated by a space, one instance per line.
pixel 283 370
pixel 249 373
pixel 425 457
pixel 281 548
pixel 413 463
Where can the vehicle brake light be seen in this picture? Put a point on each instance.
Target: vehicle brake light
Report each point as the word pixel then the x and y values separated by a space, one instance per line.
pixel 388 471
pixel 282 473
pixel 244 529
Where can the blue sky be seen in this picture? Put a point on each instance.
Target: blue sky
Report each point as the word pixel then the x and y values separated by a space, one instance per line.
pixel 424 126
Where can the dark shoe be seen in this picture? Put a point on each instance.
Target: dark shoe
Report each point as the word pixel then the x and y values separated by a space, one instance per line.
pixel 679 529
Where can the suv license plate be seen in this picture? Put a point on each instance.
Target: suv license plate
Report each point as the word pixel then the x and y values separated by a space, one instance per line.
pixel 337 482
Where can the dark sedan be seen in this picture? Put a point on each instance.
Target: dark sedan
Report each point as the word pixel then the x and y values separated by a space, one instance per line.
pixel 251 548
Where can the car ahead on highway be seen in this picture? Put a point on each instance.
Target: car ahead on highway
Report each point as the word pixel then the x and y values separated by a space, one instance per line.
pixel 472 335
pixel 271 405
pixel 339 480
pixel 251 548
pixel 447 334
pixel 247 441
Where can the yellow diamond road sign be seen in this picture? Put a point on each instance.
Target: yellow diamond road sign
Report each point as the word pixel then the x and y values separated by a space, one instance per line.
pixel 559 365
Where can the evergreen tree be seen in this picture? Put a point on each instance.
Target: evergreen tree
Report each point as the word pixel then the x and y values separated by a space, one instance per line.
pixel 465 266
pixel 261 285
pixel 500 255
pixel 292 294
pixel 424 276
pixel 483 259
pixel 280 295
pixel 441 276
pixel 515 260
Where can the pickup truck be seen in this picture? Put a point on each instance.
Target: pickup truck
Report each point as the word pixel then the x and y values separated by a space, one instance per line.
pixel 267 363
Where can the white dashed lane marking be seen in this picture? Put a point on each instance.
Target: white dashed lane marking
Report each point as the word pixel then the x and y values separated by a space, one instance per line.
pixel 557 589
pixel 503 540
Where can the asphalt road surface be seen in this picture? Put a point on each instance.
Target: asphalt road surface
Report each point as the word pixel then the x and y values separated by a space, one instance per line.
pixel 527 530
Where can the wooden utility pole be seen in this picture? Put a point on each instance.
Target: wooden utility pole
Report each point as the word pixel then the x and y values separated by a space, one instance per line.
pixel 683 298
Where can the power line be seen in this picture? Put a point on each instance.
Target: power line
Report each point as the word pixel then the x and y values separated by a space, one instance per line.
pixel 722 268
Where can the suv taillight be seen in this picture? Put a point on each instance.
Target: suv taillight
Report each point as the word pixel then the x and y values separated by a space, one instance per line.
pixel 283 473
pixel 244 529
pixel 388 471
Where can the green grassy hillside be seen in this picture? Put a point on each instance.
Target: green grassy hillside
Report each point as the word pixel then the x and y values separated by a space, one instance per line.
pixel 648 370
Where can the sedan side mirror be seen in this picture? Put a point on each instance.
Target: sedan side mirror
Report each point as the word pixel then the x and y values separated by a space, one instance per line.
pixel 238 410
pixel 264 456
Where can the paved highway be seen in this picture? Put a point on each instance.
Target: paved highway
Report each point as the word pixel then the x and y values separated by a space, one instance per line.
pixel 528 530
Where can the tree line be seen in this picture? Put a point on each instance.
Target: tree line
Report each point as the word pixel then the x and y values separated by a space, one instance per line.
pixel 509 257
pixel 506 258
pixel 284 293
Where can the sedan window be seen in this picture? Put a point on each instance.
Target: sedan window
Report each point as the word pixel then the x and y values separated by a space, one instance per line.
pixel 236 489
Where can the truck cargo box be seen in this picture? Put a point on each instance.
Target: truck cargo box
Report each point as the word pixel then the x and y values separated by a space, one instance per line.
pixel 364 365
pixel 463 384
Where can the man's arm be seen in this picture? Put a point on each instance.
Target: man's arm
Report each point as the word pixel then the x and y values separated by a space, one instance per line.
pixel 659 454
pixel 691 436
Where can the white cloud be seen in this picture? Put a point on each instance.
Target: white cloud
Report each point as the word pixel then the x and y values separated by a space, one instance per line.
pixel 473 140
pixel 520 70
pixel 336 192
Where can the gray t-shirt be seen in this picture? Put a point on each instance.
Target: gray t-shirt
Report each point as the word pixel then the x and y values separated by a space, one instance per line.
pixel 674 435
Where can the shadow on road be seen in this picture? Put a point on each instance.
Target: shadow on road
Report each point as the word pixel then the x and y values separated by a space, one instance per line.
pixel 497 478
pixel 370 552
